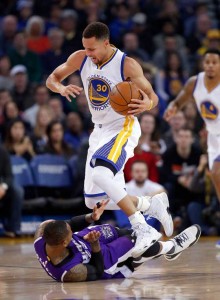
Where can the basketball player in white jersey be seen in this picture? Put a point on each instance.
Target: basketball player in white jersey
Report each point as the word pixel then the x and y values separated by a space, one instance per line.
pixel 205 90
pixel 114 137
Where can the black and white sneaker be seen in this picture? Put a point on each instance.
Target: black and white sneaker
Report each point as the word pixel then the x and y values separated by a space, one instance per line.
pixel 146 236
pixel 184 240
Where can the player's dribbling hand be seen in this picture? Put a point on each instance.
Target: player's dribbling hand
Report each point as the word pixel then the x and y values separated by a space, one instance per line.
pixel 99 209
pixel 70 90
pixel 170 111
pixel 139 105
pixel 92 236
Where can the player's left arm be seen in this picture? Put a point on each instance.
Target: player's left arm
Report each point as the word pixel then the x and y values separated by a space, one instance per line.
pixel 134 72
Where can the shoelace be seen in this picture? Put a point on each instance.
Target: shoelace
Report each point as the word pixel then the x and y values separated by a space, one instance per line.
pixel 143 230
pixel 181 239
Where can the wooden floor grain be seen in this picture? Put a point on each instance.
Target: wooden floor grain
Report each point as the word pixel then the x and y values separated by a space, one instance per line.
pixel 194 275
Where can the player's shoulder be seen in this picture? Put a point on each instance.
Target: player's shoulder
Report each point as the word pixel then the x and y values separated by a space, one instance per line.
pixel 190 84
pixel 78 56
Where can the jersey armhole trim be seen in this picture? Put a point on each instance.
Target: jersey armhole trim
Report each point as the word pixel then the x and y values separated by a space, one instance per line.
pixel 197 77
pixel 38 239
pixel 83 62
pixel 122 66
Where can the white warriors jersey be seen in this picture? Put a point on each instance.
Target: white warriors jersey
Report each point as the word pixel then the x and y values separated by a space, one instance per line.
pixel 98 81
pixel 208 104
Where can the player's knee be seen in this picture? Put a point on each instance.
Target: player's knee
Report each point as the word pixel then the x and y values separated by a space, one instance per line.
pixel 96 176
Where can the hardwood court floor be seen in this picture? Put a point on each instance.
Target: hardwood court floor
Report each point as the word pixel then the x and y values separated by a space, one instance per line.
pixel 194 275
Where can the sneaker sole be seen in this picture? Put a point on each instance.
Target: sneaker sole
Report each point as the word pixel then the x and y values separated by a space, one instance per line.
pixel 175 256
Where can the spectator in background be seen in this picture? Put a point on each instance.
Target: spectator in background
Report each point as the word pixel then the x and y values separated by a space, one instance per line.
pixel 169 11
pixel 6 81
pixel 170 81
pixel 179 162
pixel 17 142
pixel 55 140
pixel 176 123
pixel 41 97
pixel 140 184
pixel 75 133
pixel 20 55
pixel 131 46
pixel 150 134
pixel 143 29
pixel 25 10
pixel 149 158
pixel 168 29
pixel 5 97
pixel 170 45
pixel 193 118
pixel 212 41
pixel 72 36
pixel 11 197
pixel 8 30
pixel 121 23
pixel 199 33
pixel 45 115
pixel 22 91
pixel 200 182
pixel 36 40
pixel 57 108
pixel 57 53
pixel 10 113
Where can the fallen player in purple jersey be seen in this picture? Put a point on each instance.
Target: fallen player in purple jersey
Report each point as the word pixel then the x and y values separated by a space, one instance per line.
pixel 69 251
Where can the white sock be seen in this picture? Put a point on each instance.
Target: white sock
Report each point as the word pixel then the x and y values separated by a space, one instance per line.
pixel 166 247
pixel 143 203
pixel 137 217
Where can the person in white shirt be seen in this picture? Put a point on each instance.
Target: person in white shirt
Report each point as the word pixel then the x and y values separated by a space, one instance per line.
pixel 140 184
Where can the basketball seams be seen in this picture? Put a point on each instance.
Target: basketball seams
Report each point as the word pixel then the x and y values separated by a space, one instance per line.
pixel 122 96
pixel 117 103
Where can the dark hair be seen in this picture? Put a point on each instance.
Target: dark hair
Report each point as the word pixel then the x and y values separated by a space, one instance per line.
pixel 167 66
pixel 8 140
pixel 212 51
pixel 55 232
pixel 98 30
pixel 67 150
pixel 5 109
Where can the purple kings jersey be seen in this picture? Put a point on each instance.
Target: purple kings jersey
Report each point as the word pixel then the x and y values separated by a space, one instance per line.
pixel 114 250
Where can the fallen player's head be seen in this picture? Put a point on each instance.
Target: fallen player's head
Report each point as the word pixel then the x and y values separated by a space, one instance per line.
pixel 57 233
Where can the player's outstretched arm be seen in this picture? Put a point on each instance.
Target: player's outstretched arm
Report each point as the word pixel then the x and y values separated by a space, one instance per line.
pixel 54 80
pixel 134 72
pixel 80 222
pixel 185 95
pixel 92 271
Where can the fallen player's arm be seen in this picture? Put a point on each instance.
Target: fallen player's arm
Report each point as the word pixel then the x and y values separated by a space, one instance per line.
pixel 92 271
pixel 79 222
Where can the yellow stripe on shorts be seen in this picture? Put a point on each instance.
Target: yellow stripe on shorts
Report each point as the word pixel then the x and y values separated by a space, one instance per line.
pixel 121 139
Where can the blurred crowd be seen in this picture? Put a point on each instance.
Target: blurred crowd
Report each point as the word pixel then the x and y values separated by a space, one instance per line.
pixel 168 39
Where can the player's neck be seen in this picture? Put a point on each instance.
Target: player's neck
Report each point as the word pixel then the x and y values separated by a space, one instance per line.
pixel 211 83
pixel 109 53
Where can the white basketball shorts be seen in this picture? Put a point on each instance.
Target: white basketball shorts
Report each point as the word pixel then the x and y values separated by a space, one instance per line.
pixel 114 143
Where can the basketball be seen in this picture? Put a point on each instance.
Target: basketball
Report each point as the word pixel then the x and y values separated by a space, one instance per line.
pixel 121 95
